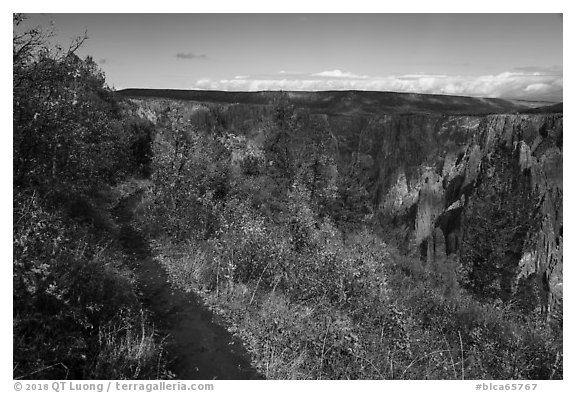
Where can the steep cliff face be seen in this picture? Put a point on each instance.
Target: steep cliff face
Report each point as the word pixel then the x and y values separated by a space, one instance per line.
pixel 433 164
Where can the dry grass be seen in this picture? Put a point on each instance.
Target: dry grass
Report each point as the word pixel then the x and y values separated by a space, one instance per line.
pixel 128 352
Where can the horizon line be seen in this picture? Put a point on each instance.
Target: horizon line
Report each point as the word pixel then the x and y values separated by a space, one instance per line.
pixel 342 91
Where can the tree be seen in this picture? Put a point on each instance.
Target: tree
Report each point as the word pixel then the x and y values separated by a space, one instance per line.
pixel 497 221
pixel 278 144
pixel 67 128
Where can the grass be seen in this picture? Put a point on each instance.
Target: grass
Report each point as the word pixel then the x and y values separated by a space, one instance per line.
pixel 128 351
pixel 423 326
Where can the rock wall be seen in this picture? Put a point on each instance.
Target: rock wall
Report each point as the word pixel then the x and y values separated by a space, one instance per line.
pixel 434 162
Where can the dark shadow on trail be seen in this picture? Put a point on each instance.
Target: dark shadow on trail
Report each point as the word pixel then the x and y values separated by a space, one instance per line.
pixel 198 346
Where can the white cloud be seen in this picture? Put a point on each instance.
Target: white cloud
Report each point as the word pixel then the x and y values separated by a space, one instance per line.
pixel 338 74
pixel 529 84
pixel 537 87
pixel 418 76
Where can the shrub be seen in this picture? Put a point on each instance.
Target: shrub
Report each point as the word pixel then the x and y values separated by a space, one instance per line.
pixel 68 288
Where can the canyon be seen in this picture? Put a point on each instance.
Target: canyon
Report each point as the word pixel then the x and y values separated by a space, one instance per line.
pixel 422 160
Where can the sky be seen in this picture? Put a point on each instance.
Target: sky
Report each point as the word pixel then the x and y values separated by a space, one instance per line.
pixel 484 55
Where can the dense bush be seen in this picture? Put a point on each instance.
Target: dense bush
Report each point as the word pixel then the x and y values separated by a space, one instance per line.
pixel 75 311
pixel 71 295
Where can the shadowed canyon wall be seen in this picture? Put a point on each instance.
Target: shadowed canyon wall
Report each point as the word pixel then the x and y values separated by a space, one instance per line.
pixel 426 169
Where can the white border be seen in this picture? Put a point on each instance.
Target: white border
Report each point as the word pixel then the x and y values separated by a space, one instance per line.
pixel 296 6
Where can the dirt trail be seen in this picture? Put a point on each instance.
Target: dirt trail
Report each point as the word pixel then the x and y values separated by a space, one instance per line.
pixel 198 345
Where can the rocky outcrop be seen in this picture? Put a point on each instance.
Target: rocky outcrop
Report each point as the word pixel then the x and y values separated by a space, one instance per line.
pixel 435 163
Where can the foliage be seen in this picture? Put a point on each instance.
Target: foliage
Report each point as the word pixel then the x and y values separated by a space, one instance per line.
pixel 68 132
pixel 68 287
pixel 76 314
pixel 186 182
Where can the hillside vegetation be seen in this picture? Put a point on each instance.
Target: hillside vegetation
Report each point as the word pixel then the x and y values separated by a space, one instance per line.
pixel 277 233
pixel 76 313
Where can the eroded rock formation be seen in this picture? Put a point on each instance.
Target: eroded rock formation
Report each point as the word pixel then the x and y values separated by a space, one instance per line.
pixel 434 163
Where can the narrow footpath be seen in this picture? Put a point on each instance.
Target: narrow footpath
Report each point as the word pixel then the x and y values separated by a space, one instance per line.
pixel 198 345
